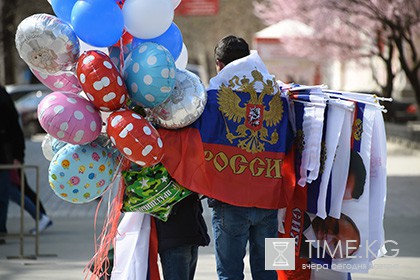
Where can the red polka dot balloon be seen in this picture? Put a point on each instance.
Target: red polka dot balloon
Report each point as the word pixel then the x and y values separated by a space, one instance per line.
pixel 135 137
pixel 101 81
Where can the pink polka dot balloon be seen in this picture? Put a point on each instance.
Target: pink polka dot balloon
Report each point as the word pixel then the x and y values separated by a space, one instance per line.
pixel 69 118
pixel 101 81
pixel 135 137
pixel 62 82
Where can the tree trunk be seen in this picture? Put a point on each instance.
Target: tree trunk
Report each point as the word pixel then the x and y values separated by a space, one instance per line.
pixel 412 73
pixel 389 86
pixel 8 38
pixel 413 78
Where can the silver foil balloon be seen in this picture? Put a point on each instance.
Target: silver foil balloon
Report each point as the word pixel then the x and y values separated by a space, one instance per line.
pixel 50 146
pixel 47 147
pixel 47 44
pixel 186 103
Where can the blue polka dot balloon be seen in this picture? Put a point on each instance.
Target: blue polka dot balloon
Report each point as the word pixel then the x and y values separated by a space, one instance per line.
pixel 149 74
pixel 81 173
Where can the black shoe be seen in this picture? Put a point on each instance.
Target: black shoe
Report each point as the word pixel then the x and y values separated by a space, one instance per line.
pixel 2 241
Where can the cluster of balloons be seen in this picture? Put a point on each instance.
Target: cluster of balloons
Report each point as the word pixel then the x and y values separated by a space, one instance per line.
pixel 142 65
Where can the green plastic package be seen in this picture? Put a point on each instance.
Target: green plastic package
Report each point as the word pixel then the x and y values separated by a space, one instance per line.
pixel 152 191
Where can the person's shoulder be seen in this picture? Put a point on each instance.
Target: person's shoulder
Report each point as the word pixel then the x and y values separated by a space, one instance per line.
pixel 4 95
pixel 3 90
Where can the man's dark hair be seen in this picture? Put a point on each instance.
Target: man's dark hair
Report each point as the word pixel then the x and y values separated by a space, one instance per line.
pixel 231 48
pixel 353 224
pixel 357 168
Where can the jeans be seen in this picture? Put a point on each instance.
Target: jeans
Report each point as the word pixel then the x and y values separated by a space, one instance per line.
pixel 30 207
pixel 179 263
pixel 233 227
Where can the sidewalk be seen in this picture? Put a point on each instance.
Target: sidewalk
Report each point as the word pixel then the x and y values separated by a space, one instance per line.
pixel 71 238
pixel 65 249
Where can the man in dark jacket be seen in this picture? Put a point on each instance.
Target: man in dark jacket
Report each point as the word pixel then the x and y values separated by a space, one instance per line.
pixel 180 237
pixel 12 146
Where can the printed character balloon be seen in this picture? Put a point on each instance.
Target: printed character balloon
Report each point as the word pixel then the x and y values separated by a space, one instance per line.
pixel 81 173
pixel 101 80
pixel 149 74
pixel 66 81
pixel 186 103
pixel 135 137
pixel 47 44
pixel 69 118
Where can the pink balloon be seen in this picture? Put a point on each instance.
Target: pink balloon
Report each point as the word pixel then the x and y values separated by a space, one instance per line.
pixel 63 82
pixel 69 118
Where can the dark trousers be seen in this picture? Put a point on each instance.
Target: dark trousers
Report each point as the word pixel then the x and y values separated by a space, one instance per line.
pixel 5 184
pixel 179 263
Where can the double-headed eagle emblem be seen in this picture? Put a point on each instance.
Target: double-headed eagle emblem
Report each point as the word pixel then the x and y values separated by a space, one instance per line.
pixel 251 114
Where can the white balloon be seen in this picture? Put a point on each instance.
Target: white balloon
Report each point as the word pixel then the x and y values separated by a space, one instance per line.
pixel 182 61
pixel 47 147
pixel 147 19
pixel 176 3
pixel 50 146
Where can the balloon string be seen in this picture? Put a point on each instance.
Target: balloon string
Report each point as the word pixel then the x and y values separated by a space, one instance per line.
pixel 99 264
pixel 121 46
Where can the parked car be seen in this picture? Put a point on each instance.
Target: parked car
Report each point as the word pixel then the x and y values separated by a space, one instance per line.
pixel 27 107
pixel 26 98
pixel 18 91
pixel 401 111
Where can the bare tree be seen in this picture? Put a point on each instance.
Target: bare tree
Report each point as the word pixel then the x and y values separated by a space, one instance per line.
pixel 358 28
pixel 7 35
pixel 201 33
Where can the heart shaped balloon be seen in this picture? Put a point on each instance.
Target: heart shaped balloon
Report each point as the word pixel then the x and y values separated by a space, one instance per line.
pixel 47 44
pixel 135 137
pixel 149 74
pixel 69 118
pixel 185 105
pixel 66 81
pixel 101 81
pixel 81 173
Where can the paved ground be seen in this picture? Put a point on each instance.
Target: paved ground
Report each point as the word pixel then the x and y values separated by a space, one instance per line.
pixel 66 247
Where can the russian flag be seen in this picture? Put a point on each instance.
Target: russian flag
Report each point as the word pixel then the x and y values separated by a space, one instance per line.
pixel 236 152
